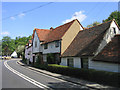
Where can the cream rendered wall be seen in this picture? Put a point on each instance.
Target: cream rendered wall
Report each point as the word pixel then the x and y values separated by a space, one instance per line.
pixel 36 49
pixel 107 38
pixel 51 48
pixel 70 35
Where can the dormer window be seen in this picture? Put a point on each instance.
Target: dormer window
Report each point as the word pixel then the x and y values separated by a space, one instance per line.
pixel 114 30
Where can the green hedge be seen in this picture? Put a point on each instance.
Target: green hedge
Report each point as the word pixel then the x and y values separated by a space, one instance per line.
pixel 24 61
pixel 102 77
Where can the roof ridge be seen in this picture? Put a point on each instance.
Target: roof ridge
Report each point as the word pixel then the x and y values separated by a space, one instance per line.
pixel 41 29
pixel 65 23
pixel 100 24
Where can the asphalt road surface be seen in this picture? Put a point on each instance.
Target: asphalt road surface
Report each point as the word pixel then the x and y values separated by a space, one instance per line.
pixel 17 76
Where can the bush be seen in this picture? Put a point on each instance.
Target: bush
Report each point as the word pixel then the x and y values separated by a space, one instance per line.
pixel 102 77
pixel 24 60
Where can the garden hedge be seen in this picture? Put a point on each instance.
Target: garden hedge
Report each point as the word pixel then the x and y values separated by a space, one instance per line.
pixel 102 77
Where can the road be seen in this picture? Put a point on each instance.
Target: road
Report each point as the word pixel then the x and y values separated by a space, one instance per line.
pixel 17 76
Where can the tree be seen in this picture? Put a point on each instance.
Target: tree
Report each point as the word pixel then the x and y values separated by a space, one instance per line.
pixel 20 50
pixel 114 15
pixel 93 24
pixel 8 45
pixel 20 43
pixel 21 40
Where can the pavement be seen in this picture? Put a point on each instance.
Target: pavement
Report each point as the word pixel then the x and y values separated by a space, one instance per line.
pixel 89 84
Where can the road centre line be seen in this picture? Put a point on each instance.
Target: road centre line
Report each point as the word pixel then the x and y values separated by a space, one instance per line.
pixel 36 83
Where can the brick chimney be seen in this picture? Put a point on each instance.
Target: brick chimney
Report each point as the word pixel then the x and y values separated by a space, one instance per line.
pixel 51 28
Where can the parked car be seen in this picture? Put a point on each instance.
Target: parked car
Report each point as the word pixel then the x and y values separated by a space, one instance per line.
pixel 8 57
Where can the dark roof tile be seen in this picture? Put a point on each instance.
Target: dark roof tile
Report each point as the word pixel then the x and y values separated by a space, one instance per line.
pixel 87 41
pixel 58 32
pixel 111 52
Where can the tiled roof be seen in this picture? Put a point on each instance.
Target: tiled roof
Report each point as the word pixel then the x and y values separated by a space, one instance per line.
pixel 87 41
pixel 111 52
pixel 58 32
pixel 42 33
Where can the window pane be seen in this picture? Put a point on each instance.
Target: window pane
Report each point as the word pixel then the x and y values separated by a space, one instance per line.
pixel 84 62
pixel 45 46
pixel 57 44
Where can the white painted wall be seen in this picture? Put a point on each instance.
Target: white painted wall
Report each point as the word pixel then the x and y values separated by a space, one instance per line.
pixel 76 61
pixel 39 47
pixel 30 56
pixel 108 36
pixel 105 66
pixel 26 52
pixel 63 61
pixel 51 48
pixel 113 24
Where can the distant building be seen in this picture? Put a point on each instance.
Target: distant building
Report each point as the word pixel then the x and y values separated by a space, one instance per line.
pixel 28 52
pixel 14 54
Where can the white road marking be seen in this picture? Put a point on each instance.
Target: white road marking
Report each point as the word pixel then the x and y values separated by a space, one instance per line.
pixel 36 83
pixel 51 76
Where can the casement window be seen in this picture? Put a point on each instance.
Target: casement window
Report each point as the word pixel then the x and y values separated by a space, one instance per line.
pixel 84 63
pixel 56 43
pixel 46 46
pixel 70 62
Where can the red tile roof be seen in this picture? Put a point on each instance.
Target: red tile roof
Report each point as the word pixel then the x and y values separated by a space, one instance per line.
pixel 41 33
pixel 58 32
pixel 111 52
pixel 87 41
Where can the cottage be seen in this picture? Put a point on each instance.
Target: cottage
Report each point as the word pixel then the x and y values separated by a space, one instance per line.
pixel 38 37
pixel 88 44
pixel 58 39
pixel 28 52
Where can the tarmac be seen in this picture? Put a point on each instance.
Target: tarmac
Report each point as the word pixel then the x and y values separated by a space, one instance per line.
pixel 89 84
